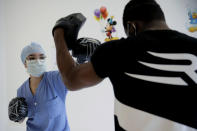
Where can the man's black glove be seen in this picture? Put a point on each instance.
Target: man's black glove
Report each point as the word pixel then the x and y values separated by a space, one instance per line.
pixel 17 109
pixel 71 25
pixel 84 49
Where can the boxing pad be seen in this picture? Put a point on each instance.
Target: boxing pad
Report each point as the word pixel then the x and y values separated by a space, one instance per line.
pixel 84 48
pixel 71 25
pixel 17 109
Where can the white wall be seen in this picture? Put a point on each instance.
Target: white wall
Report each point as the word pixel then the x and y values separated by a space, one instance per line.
pixel 23 21
pixel 3 97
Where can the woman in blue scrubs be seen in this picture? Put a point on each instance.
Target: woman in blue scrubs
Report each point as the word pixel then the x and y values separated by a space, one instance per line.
pixel 45 93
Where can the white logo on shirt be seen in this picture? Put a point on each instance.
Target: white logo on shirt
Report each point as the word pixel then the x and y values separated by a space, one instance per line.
pixel 188 69
pixel 131 119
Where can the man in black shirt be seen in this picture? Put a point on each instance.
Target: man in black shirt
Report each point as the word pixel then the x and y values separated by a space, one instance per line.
pixel 152 70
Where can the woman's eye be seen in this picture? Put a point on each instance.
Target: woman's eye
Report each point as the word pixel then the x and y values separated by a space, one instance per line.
pixel 31 58
pixel 42 58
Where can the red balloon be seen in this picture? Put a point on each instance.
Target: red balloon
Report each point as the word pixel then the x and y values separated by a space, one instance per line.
pixel 103 10
pixel 105 15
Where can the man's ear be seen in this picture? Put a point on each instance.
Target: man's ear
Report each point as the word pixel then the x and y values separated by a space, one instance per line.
pixel 129 28
pixel 132 27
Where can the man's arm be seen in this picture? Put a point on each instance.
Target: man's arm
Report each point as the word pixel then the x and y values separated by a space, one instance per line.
pixel 74 76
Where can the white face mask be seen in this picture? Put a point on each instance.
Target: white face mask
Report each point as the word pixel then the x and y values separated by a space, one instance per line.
pixel 36 67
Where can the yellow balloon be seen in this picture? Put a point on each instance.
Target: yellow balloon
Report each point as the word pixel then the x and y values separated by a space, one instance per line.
pixel 96 18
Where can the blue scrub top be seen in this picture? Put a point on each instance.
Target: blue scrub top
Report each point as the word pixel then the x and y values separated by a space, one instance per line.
pixel 46 109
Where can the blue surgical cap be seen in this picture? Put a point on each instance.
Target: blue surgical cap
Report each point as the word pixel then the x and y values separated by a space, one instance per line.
pixel 30 49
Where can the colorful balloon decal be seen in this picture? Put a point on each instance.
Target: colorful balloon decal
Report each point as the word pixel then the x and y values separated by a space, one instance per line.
pixel 101 13
pixel 193 20
pixel 107 23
